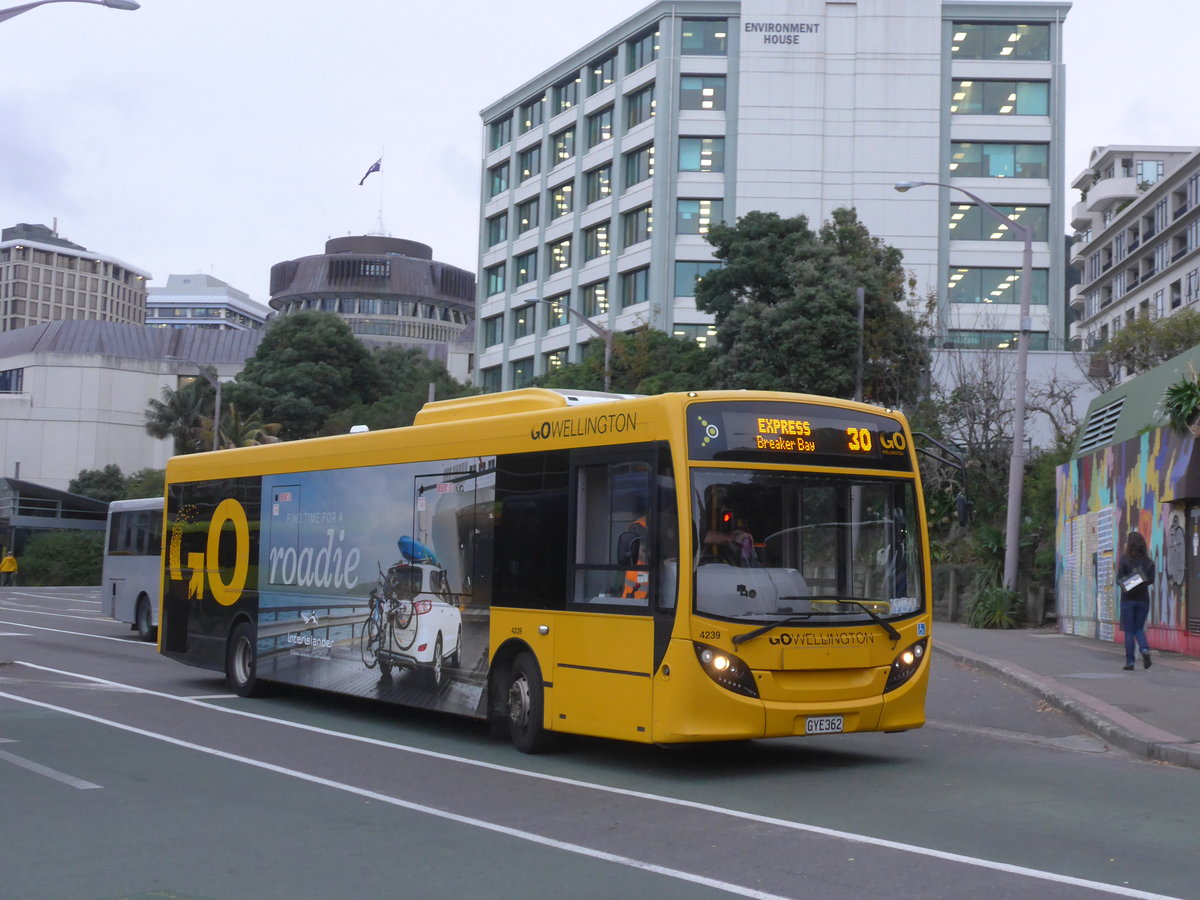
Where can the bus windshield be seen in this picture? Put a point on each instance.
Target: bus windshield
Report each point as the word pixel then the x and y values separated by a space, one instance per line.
pixel 815 549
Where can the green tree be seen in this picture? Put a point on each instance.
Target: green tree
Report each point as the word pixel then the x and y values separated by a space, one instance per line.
pixel 406 374
pixel 308 367
pixel 63 558
pixel 145 483
pixel 786 309
pixel 105 484
pixel 646 361
pixel 1143 344
pixel 177 416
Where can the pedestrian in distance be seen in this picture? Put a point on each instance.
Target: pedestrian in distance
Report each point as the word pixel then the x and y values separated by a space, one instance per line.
pixel 8 569
pixel 1135 574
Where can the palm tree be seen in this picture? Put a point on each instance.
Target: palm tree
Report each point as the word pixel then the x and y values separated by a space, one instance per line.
pixel 240 431
pixel 177 416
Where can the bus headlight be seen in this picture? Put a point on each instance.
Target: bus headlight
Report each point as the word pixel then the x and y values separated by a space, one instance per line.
pixel 726 670
pixel 906 664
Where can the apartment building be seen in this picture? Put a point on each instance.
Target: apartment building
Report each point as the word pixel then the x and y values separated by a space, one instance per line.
pixel 202 301
pixel 601 176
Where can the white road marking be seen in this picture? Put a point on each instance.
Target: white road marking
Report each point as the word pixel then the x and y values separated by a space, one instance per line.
pixel 41 612
pixel 850 836
pixel 739 890
pixel 103 637
pixel 71 780
pixel 14 634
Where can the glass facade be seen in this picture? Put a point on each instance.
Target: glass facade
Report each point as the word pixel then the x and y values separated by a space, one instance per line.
pixel 988 160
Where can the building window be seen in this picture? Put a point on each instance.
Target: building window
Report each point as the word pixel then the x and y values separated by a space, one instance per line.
pixel 500 132
pixel 522 318
pixel 995 285
pixel 489 379
pixel 595 242
pixel 635 287
pixel 701 154
pixel 704 334
pixel 522 372
pixel 636 225
pixel 598 184
pixel 698 216
pixel 639 106
pixel 525 268
pixel 1000 41
pixel 995 340
pixel 498 179
pixel 980 160
pixel 493 331
pixel 564 145
pixel 555 360
pixel 969 222
pixel 497 229
pixel 702 92
pixel 529 162
pixel 527 215
pixel 705 37
pixel 600 74
pixel 532 113
pixel 639 165
pixel 1000 98
pixel 641 50
pixel 566 94
pixel 562 199
pixel 556 310
pixel 689 274
pixel 1148 171
pixel 600 127
pixel 494 277
pixel 560 256
pixel 595 298
pixel 12 381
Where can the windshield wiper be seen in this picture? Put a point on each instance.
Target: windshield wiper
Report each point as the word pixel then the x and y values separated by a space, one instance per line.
pixel 751 635
pixel 891 632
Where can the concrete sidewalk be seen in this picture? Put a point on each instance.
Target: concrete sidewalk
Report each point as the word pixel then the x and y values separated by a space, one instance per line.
pixel 1152 712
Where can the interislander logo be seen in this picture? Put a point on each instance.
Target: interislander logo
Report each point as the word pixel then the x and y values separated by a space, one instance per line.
pixel 711 432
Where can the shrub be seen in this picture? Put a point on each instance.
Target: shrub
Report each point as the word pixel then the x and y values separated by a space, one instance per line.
pixel 995 607
pixel 62 558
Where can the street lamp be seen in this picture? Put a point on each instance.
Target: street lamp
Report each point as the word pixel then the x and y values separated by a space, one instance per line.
pixel 1016 466
pixel 6 14
pixel 216 384
pixel 605 335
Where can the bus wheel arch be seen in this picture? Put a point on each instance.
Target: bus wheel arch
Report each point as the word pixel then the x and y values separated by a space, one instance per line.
pixel 241 659
pixel 519 692
pixel 143 618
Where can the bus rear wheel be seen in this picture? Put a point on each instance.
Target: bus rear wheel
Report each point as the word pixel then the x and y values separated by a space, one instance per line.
pixel 241 661
pixel 525 705
pixel 142 620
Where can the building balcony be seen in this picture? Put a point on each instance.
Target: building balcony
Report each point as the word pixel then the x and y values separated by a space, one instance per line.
pixel 1103 194
pixel 1075 300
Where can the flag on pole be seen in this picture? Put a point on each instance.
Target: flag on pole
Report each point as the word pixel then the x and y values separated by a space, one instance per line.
pixel 375 166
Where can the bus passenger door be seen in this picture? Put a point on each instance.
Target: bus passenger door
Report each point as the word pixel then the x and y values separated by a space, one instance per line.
pixel 604 641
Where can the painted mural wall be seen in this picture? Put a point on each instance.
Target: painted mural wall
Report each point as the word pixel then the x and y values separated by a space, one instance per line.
pixel 1126 487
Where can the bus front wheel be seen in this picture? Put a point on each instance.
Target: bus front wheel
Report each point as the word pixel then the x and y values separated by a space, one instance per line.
pixel 142 620
pixel 241 661
pixel 525 705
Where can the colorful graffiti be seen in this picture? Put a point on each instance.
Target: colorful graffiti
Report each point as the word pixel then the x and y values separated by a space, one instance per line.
pixel 1101 498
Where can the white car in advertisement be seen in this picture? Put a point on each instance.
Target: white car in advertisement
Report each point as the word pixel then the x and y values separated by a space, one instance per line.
pixel 414 623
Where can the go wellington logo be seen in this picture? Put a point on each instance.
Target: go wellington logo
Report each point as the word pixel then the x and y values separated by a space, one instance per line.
pixel 711 432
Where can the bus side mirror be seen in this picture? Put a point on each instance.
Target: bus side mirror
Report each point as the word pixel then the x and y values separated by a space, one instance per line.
pixel 963 506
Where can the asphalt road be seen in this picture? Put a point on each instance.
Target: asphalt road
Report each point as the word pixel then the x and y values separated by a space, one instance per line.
pixel 124 774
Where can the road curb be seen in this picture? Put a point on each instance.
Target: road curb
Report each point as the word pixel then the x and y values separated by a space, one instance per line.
pixel 1109 722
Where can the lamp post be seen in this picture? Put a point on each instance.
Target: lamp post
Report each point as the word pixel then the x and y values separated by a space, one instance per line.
pixel 6 14
pixel 216 384
pixel 604 333
pixel 1016 466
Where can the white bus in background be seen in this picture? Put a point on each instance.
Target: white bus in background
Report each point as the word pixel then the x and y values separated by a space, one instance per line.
pixel 133 564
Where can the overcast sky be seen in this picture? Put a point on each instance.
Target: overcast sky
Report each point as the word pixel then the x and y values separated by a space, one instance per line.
pixel 223 136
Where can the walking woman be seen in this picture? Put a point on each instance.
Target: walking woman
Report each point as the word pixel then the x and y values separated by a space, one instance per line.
pixel 1135 574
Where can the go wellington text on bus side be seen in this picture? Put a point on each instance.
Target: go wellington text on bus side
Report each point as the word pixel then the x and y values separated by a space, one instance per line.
pixel 684 567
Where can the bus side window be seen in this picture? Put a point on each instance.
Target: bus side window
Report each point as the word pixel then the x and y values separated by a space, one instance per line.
pixel 612 536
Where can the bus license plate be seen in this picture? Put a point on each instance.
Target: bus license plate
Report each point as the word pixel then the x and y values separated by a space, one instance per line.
pixel 823 725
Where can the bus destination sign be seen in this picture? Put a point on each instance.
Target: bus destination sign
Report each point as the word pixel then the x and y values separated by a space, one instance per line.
pixel 804 433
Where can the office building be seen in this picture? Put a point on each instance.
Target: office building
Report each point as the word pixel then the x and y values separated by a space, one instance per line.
pixel 1138 246
pixel 389 291
pixel 602 175
pixel 46 278
pixel 202 301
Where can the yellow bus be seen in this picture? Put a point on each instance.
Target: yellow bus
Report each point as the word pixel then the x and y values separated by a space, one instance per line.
pixel 685 567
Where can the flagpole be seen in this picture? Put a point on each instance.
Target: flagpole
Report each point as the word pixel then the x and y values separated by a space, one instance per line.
pixel 382 176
